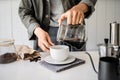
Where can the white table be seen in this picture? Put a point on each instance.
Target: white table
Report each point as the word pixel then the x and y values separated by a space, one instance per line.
pixel 25 70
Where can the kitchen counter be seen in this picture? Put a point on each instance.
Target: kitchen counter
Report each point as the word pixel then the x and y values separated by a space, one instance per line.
pixel 26 70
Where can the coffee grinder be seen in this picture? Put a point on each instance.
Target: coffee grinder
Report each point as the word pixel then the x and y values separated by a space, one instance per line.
pixel 114 37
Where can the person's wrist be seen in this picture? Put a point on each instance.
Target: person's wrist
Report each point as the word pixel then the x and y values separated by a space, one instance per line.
pixel 83 7
pixel 37 31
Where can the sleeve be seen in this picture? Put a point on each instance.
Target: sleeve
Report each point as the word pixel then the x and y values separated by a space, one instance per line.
pixel 90 4
pixel 26 14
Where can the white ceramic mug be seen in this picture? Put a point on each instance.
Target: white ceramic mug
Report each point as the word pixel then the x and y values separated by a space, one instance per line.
pixel 59 52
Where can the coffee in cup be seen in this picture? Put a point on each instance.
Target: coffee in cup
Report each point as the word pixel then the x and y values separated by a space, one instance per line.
pixel 59 52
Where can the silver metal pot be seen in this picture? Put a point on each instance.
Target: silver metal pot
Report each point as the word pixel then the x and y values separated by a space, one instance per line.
pixel 105 50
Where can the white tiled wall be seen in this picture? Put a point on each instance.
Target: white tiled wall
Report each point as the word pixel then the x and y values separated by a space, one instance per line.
pixel 107 11
pixel 10 23
pixel 97 25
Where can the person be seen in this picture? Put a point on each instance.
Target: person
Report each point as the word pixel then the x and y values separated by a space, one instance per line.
pixel 43 17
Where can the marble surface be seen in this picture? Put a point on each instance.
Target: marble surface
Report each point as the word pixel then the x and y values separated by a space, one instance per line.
pixel 25 70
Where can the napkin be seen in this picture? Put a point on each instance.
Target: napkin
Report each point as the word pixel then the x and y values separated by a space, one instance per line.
pixel 59 68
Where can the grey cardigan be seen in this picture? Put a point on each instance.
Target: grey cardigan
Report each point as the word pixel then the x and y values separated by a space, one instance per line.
pixel 35 13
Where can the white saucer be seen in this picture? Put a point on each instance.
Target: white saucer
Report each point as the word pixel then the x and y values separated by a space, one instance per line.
pixel 49 60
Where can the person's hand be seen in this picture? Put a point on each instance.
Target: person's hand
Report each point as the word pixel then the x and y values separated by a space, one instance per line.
pixel 75 15
pixel 44 40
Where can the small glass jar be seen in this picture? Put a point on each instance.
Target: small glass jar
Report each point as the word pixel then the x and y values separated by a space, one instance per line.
pixel 8 51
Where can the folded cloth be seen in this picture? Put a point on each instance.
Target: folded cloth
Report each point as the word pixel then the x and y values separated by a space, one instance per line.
pixel 26 53
pixel 59 68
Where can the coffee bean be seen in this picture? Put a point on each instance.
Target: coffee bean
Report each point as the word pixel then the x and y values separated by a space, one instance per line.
pixel 8 58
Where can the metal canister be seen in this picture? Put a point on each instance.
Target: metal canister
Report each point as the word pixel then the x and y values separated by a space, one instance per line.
pixel 114 33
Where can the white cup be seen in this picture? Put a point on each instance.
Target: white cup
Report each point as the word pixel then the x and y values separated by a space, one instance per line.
pixel 59 52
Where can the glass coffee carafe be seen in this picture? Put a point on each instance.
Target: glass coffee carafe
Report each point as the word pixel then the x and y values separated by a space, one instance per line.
pixel 71 33
pixel 8 52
